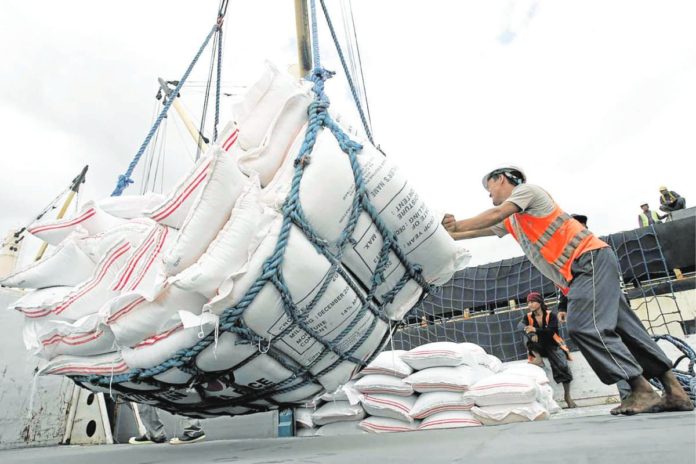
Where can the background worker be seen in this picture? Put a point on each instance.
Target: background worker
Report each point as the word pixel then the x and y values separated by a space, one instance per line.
pixel 605 328
pixel 671 200
pixel 155 433
pixel 541 328
pixel 647 218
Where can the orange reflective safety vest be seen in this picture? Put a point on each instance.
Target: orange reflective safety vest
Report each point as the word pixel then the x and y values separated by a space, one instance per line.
pixel 556 338
pixel 552 242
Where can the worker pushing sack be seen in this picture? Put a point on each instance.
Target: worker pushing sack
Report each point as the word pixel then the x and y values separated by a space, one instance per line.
pixel 600 320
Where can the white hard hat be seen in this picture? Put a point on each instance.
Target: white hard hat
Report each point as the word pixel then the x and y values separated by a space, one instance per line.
pixel 515 171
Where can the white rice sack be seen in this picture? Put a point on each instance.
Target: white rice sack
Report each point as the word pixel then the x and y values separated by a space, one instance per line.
pixel 104 364
pixel 509 413
pixel 305 432
pixel 85 337
pixel 376 424
pixel 228 254
pixel 209 213
pixel 525 369
pixel 133 318
pixel 431 403
pixel 160 347
pixel 388 363
pixel 456 379
pixel 142 273
pixel 337 411
pixel 65 265
pixel 82 300
pixel 545 398
pixel 492 363
pixel 393 406
pixel 450 420
pixel 335 429
pixel 176 206
pixel 303 417
pixel 270 117
pixel 438 354
pixel 328 186
pixel 91 219
pixel 250 369
pixel 503 388
pixel 131 206
pixel 132 231
pixel 339 394
pixel 304 270
pixel 379 383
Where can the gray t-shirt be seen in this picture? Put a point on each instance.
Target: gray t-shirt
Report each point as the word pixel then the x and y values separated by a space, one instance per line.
pixel 531 199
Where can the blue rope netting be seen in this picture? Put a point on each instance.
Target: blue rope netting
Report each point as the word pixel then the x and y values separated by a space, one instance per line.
pixel 293 216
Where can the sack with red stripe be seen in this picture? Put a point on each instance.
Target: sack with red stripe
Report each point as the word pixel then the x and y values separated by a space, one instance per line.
pixel 209 213
pixel 158 348
pixel 340 394
pixel 341 305
pixel 270 118
pixel 431 403
pixel 457 378
pixel 250 368
pixel 133 317
pixel 65 265
pixel 380 383
pixel 450 420
pixel 503 388
pixel 510 413
pixel 438 354
pixel 82 300
pixel 228 254
pixel 376 424
pixel 85 337
pixel 132 206
pixel 103 364
pixel 91 218
pixel 393 406
pixel 388 363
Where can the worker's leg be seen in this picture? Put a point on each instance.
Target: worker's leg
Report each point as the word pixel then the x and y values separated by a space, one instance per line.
pixel 593 313
pixel 561 372
pixel 153 425
pixel 193 428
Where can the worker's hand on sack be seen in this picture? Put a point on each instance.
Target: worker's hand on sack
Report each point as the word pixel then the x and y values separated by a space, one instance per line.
pixel 449 222
pixel 529 329
pixel 562 317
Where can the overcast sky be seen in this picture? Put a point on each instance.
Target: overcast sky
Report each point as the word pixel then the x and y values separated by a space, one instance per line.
pixel 596 100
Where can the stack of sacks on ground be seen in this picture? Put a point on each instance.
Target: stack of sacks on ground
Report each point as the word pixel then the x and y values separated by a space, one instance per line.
pixel 387 399
pixel 519 393
pixel 134 280
pixel 338 415
pixel 445 372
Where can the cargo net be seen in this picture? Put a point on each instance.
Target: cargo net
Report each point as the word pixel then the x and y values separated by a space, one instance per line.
pixel 486 304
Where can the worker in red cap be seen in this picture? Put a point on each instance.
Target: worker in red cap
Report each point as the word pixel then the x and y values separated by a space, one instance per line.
pixel 541 329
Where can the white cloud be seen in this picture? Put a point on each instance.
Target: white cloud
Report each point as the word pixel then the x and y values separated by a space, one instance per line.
pixel 595 99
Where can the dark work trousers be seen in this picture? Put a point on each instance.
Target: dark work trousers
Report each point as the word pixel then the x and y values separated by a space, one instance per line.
pixel 605 328
pixel 557 359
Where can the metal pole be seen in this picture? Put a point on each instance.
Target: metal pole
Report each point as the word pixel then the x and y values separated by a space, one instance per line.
pixel 304 48
pixel 74 188
pixel 190 126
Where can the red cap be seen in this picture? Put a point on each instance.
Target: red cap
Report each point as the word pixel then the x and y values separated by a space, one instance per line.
pixel 535 296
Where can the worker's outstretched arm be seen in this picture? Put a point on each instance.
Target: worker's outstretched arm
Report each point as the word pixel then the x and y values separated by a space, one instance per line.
pixel 479 226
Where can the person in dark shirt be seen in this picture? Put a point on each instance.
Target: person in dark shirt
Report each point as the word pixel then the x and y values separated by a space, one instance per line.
pixel 541 329
pixel 671 200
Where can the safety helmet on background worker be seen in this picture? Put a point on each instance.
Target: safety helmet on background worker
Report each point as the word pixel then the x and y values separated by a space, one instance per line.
pixel 663 188
pixel 513 173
